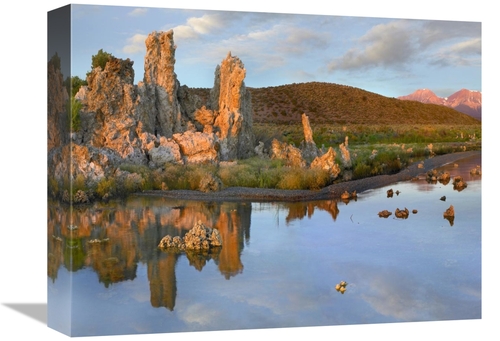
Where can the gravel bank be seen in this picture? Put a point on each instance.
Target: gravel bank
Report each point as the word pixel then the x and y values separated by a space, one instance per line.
pixel 331 192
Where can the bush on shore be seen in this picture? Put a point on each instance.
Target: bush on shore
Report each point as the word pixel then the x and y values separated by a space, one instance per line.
pixel 369 151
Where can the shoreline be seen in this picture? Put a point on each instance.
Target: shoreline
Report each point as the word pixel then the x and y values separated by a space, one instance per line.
pixel 333 191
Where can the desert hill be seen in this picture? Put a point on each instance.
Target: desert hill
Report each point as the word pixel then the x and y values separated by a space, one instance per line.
pixel 341 104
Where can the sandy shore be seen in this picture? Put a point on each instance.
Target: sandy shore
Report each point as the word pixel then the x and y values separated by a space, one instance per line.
pixel 331 192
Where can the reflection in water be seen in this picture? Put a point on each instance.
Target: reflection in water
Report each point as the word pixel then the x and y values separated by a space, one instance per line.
pixel 398 269
pixel 300 210
pixel 162 282
pixel 112 238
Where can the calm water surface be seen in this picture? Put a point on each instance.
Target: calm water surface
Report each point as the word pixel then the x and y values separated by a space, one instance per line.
pixel 278 266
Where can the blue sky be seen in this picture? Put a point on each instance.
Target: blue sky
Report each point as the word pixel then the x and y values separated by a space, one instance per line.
pixel 388 56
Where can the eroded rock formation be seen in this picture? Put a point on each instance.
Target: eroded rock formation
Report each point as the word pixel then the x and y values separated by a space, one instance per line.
pixel 160 85
pixel 110 100
pixel 327 162
pixel 290 154
pixel 57 97
pixel 152 123
pixel 403 214
pixel 199 238
pixel 309 148
pixel 233 106
pixel 346 155
pixel 449 214
pixel 197 147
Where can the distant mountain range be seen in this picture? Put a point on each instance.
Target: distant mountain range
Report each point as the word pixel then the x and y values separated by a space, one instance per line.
pixel 465 101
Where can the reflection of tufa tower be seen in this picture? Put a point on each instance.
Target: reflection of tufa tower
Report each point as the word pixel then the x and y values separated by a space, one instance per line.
pixel 234 227
pixel 162 281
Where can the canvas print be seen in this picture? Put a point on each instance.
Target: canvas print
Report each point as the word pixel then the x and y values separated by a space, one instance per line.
pixel 219 170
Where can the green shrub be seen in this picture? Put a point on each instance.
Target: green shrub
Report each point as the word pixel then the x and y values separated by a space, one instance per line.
pixel 78 184
pixel 290 179
pixel 106 186
pixel 74 84
pixel 133 182
pixel 176 177
pixel 100 59
pixel 361 170
pixel 315 179
pixel 194 176
pixel 148 181
pixel 303 178
pixel 269 178
pixel 74 107
pixel 53 187
pixel 173 176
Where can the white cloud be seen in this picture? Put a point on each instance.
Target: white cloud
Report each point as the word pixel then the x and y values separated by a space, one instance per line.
pixel 196 27
pixel 463 53
pixel 194 314
pixel 398 43
pixel 206 24
pixel 472 46
pixel 136 44
pixel 138 12
pixel 264 35
pixel 184 32
pixel 437 32
pixel 386 45
pixel 298 41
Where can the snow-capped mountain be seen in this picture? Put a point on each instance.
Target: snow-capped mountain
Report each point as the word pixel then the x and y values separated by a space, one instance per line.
pixel 465 101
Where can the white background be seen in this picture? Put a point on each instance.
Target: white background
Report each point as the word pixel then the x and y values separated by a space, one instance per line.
pixel 23 274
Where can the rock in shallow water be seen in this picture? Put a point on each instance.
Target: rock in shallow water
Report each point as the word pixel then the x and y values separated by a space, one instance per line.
pixel 199 238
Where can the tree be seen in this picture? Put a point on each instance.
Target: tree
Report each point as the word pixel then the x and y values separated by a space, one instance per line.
pixel 100 59
pixel 74 106
pixel 73 85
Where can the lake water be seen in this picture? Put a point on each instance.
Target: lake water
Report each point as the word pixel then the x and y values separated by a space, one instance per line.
pixel 279 264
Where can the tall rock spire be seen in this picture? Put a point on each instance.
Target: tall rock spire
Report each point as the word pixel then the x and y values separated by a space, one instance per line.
pixel 161 82
pixel 233 106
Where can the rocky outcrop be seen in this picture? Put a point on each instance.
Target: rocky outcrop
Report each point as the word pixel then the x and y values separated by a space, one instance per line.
pixel 136 120
pixel 345 153
pixel 232 105
pixel 210 183
pixel 197 147
pixel 57 119
pixel 434 176
pixel 205 117
pixel 288 153
pixel 459 183
pixel 167 152
pixel 384 214
pixel 110 99
pixel 259 150
pixel 327 162
pixel 71 160
pixel 199 238
pixel 449 214
pixel 341 287
pixel 476 170
pixel 160 84
pixel 402 214
pixel 152 123
pixel 309 148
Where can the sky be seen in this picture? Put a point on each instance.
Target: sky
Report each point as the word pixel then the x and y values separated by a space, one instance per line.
pixel 388 56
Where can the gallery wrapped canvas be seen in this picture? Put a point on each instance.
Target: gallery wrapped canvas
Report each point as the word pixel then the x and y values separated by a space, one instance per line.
pixel 222 170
